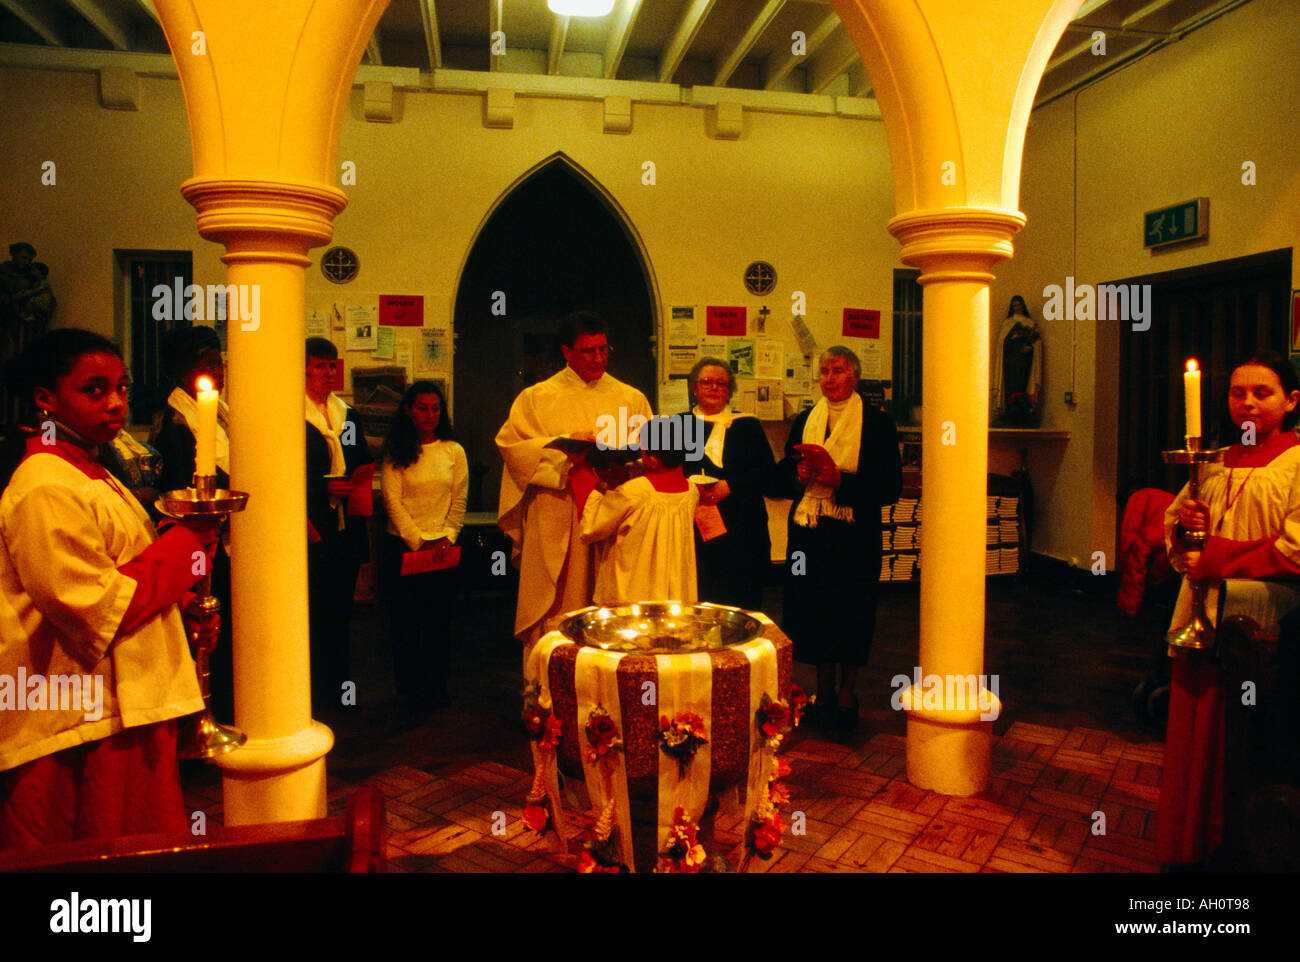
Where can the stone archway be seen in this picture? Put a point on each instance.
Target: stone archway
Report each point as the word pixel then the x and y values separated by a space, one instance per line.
pixel 554 242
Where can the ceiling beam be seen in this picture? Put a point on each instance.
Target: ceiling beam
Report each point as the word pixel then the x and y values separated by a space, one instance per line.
pixel 1065 56
pixel 432 41
pixel 783 60
pixel 1106 65
pixel 559 30
pixel 1149 10
pixel 838 55
pixel 147 7
pixel 683 36
pixel 619 34
pixel 37 19
pixel 110 24
pixel 733 58
pixel 373 55
pixel 494 24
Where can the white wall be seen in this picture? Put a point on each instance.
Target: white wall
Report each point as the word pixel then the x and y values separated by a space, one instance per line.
pixel 1175 125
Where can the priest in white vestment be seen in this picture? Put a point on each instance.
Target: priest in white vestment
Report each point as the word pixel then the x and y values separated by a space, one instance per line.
pixel 537 507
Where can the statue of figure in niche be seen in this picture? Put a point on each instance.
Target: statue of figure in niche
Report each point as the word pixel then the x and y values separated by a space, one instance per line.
pixel 1016 385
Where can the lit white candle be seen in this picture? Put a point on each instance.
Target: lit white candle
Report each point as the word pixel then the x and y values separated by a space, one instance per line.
pixel 205 441
pixel 1192 398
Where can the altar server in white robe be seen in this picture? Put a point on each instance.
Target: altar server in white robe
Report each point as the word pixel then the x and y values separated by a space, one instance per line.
pixel 537 508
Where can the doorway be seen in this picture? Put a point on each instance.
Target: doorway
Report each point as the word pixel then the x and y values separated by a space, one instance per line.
pixel 1218 313
pixel 554 244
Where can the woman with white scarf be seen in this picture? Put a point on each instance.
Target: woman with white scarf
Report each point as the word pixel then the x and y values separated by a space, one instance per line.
pixel 830 585
pixel 731 567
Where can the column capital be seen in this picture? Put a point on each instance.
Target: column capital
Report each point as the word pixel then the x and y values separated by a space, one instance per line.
pixel 956 243
pixel 264 217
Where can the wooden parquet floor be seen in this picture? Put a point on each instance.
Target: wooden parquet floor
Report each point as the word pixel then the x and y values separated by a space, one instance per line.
pixel 1066 747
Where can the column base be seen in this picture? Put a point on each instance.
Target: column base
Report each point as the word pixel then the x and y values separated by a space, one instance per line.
pixel 950 750
pixel 949 759
pixel 276 779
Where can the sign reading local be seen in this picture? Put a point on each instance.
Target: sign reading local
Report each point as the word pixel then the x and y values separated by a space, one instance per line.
pixel 725 321
pixel 1189 220
pixel 401 311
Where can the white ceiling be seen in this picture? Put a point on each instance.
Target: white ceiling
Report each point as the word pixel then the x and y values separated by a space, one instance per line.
pixel 744 44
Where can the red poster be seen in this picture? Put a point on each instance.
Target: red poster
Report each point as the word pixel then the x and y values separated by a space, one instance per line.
pixel 860 323
pixel 725 321
pixel 401 310
pixel 1295 322
pixel 339 383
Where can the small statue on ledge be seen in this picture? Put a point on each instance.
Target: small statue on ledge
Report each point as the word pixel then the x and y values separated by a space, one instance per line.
pixel 1016 385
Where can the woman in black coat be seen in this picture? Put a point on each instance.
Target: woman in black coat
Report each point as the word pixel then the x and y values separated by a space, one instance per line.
pixel 841 467
pixel 731 568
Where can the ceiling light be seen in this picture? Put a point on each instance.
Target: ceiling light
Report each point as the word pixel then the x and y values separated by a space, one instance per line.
pixel 581 8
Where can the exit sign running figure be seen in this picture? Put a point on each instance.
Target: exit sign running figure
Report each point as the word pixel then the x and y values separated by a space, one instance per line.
pixel 1189 220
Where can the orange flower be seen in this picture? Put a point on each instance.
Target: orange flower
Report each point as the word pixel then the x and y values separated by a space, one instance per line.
pixel 537 817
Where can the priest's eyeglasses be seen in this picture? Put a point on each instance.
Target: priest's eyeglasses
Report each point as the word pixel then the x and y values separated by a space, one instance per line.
pixel 603 351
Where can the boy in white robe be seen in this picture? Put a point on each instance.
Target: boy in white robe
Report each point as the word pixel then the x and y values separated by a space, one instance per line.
pixel 644 527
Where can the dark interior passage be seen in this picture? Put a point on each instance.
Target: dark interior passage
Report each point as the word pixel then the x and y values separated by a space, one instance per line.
pixel 553 246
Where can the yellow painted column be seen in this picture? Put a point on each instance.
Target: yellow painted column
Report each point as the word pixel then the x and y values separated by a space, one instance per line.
pixel 955 82
pixel 949 722
pixel 265 86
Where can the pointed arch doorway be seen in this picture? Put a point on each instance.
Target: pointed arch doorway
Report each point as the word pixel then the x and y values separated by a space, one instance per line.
pixel 553 244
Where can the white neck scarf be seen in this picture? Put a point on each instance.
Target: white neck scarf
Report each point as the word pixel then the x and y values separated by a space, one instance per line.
pixel 330 429
pixel 720 421
pixel 843 446
pixel 188 408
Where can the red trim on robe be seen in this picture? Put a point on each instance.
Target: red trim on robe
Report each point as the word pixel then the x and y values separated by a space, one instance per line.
pixel 163 574
pixel 1259 559
pixel 1259 455
pixel 74 454
pixel 582 481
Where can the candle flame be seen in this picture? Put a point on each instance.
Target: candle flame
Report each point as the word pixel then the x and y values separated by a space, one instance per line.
pixel 204 384
pixel 1191 365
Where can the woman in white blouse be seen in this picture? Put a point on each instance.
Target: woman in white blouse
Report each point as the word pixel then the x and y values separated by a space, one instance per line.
pixel 425 480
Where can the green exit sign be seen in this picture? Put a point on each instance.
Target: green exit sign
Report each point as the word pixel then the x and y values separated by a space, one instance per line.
pixel 1175 225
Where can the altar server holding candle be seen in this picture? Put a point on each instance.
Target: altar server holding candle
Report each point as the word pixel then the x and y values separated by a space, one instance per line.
pixel 1250 509
pixel 88 591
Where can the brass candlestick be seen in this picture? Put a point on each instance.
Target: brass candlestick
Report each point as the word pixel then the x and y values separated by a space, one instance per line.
pixel 1200 632
pixel 206 737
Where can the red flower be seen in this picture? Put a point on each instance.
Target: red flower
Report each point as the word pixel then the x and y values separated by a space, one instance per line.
pixel 772 717
pixel 782 768
pixel 553 731
pixel 602 734
pixel 779 794
pixel 537 817
pixel 767 836
pixel 535 721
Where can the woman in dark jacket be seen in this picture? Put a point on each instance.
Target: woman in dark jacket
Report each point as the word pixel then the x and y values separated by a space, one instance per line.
pixel 841 467
pixel 731 567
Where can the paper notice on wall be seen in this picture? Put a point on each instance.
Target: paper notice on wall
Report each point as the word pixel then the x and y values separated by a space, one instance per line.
pixel 673 397
pixel 769 401
pixel 740 355
pixel 682 358
pixel 318 322
pixel 715 347
pixel 745 400
pixel 385 339
pixel 363 320
pixel 431 352
pixel 769 357
pixel 870 355
pixel 337 320
pixel 683 327
pixel 725 321
pixel 404 354
pixel 807 343
pixel 798 374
